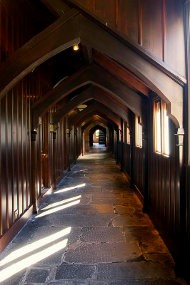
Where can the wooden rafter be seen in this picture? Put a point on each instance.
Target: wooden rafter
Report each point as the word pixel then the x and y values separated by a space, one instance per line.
pixel 93 92
pixel 94 109
pixel 90 75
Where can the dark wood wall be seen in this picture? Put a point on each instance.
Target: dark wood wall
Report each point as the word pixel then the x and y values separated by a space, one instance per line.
pixel 156 177
pixel 15 162
pixel 154 26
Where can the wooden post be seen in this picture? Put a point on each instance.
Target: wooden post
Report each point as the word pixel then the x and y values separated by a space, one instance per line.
pixel 147 139
pixel 68 151
pixel 53 160
pixel 132 146
pixel 33 172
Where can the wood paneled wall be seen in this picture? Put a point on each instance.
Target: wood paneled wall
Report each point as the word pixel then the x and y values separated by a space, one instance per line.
pixel 161 193
pixel 139 167
pixel 164 184
pixel 17 25
pixel 156 26
pixel 15 162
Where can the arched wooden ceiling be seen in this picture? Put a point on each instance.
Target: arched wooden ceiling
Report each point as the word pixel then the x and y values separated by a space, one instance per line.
pixel 99 95
pixel 95 109
pixel 98 127
pixel 75 26
pixel 95 75
pixel 97 119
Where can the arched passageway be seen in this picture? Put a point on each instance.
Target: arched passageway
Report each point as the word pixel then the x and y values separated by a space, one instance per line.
pixel 97 136
pixel 70 68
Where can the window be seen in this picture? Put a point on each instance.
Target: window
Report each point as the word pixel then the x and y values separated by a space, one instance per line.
pixel 161 128
pixel 128 135
pixel 138 132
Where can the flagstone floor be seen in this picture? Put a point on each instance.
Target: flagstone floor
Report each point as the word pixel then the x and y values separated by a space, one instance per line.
pixel 90 231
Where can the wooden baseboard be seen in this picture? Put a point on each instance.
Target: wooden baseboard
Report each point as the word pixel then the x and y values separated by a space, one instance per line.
pixel 15 228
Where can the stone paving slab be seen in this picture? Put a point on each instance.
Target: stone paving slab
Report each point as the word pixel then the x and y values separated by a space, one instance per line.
pixel 134 270
pixel 102 252
pixel 72 220
pixel 102 234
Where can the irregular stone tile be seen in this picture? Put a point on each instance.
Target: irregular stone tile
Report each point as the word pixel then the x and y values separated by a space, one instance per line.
pixel 162 258
pixel 148 238
pixel 72 220
pixel 145 282
pixel 54 259
pixel 102 252
pixel 70 282
pixel 121 209
pixel 15 279
pixel 134 270
pixel 98 283
pixel 37 275
pixel 102 200
pixel 105 195
pixel 102 234
pixel 75 271
pixel 103 208
pixel 128 220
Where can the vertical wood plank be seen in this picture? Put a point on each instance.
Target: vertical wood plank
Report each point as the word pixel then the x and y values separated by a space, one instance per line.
pixel 1 196
pixel 3 165
pixel 102 11
pixel 175 36
pixel 128 19
pixel 163 30
pixel 152 26
pixel 140 22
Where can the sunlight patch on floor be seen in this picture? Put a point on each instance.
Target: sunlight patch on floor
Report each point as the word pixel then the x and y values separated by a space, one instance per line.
pixel 36 252
pixel 57 209
pixel 70 188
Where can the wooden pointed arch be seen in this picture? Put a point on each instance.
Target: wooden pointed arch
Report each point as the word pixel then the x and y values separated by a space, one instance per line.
pixel 94 75
pixel 95 109
pixel 97 93
pixel 90 122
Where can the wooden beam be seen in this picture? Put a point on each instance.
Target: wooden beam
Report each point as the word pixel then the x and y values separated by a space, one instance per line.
pixel 90 75
pixel 100 120
pixel 97 93
pixel 121 73
pixel 81 98
pixel 94 109
pixel 59 36
pixel 57 7
pixel 164 83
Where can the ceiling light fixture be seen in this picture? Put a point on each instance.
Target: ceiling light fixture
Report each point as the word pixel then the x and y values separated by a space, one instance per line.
pixel 81 107
pixel 75 47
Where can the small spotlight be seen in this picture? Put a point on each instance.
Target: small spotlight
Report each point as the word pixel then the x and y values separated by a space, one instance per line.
pixel 76 47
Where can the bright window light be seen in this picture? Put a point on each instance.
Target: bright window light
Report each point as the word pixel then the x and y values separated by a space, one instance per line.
pixel 128 136
pixel 70 188
pixel 165 130
pixel 138 132
pixel 161 128
pixel 56 204
pixel 33 246
pixel 57 209
pixel 30 260
pixel 33 253
pixel 157 127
